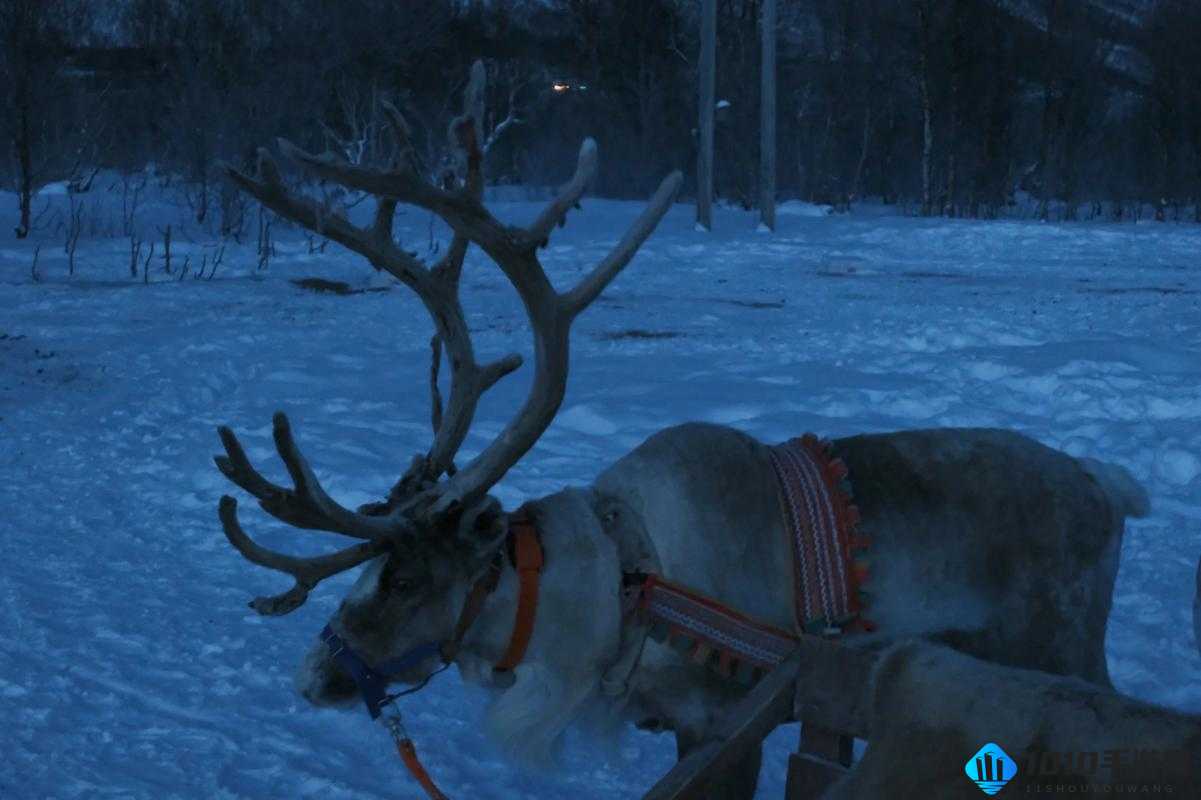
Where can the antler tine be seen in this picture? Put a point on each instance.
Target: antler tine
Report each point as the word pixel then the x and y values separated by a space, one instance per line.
pixel 464 214
pixel 380 251
pixel 307 572
pixel 306 506
pixel 556 213
pixel 435 394
pixel 473 98
pixel 550 316
pixel 405 154
pixel 237 467
pixel 603 274
pixel 465 138
pixel 470 380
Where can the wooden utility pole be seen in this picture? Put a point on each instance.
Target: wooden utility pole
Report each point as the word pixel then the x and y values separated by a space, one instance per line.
pixel 708 88
pixel 767 117
pixel 923 24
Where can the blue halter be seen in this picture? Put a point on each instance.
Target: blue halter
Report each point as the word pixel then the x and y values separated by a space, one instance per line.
pixel 373 681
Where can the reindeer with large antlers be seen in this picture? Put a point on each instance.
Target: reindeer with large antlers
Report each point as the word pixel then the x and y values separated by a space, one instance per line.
pixel 998 545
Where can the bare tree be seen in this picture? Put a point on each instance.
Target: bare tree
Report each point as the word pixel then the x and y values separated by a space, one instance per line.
pixel 32 40
pixel 1051 106
pixel 166 254
pixel 356 131
pixel 72 232
pixel 875 84
pixel 705 111
pixel 1171 98
pixel 135 250
pixel 21 32
pixel 959 59
pixel 992 181
pixel 515 80
pixel 922 7
pixel 767 121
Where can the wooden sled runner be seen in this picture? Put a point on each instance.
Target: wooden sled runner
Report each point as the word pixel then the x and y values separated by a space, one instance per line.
pixel 925 709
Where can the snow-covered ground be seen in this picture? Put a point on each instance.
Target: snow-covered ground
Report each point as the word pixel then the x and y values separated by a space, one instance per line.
pixel 130 666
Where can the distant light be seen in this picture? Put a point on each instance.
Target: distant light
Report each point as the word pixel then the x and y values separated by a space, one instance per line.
pixel 583 87
pixel 560 87
pixel 723 104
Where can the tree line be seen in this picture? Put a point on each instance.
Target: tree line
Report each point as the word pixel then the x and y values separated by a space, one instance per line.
pixel 1062 109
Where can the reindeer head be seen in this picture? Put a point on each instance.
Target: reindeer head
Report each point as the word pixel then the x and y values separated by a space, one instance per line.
pixel 438 529
pixel 409 596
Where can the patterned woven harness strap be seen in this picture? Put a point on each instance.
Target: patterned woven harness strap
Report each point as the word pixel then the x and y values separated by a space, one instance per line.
pixel 821 525
pixel 821 522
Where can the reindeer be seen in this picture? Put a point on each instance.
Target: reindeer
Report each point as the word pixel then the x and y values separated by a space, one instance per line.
pixel 982 539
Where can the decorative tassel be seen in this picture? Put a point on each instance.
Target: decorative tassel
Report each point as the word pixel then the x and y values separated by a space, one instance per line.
pixel 860 571
pixel 659 632
pixel 725 664
pixel 837 469
pixel 679 641
pixel 700 653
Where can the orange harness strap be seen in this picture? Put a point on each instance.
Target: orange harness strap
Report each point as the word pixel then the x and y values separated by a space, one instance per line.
pixel 528 560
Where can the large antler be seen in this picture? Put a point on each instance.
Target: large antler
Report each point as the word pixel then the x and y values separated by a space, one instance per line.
pixel 418 502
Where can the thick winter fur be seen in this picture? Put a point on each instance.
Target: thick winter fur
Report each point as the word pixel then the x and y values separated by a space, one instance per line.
pixel 1002 547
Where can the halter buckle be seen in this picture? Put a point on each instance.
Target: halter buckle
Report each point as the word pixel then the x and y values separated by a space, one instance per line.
pixel 394 724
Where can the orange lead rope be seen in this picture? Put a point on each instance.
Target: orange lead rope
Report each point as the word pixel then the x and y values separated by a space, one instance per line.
pixel 408 754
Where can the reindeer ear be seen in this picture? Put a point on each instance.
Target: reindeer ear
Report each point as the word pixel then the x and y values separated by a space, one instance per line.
pixel 482 523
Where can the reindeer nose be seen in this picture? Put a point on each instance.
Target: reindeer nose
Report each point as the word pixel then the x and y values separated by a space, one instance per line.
pixel 326 688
